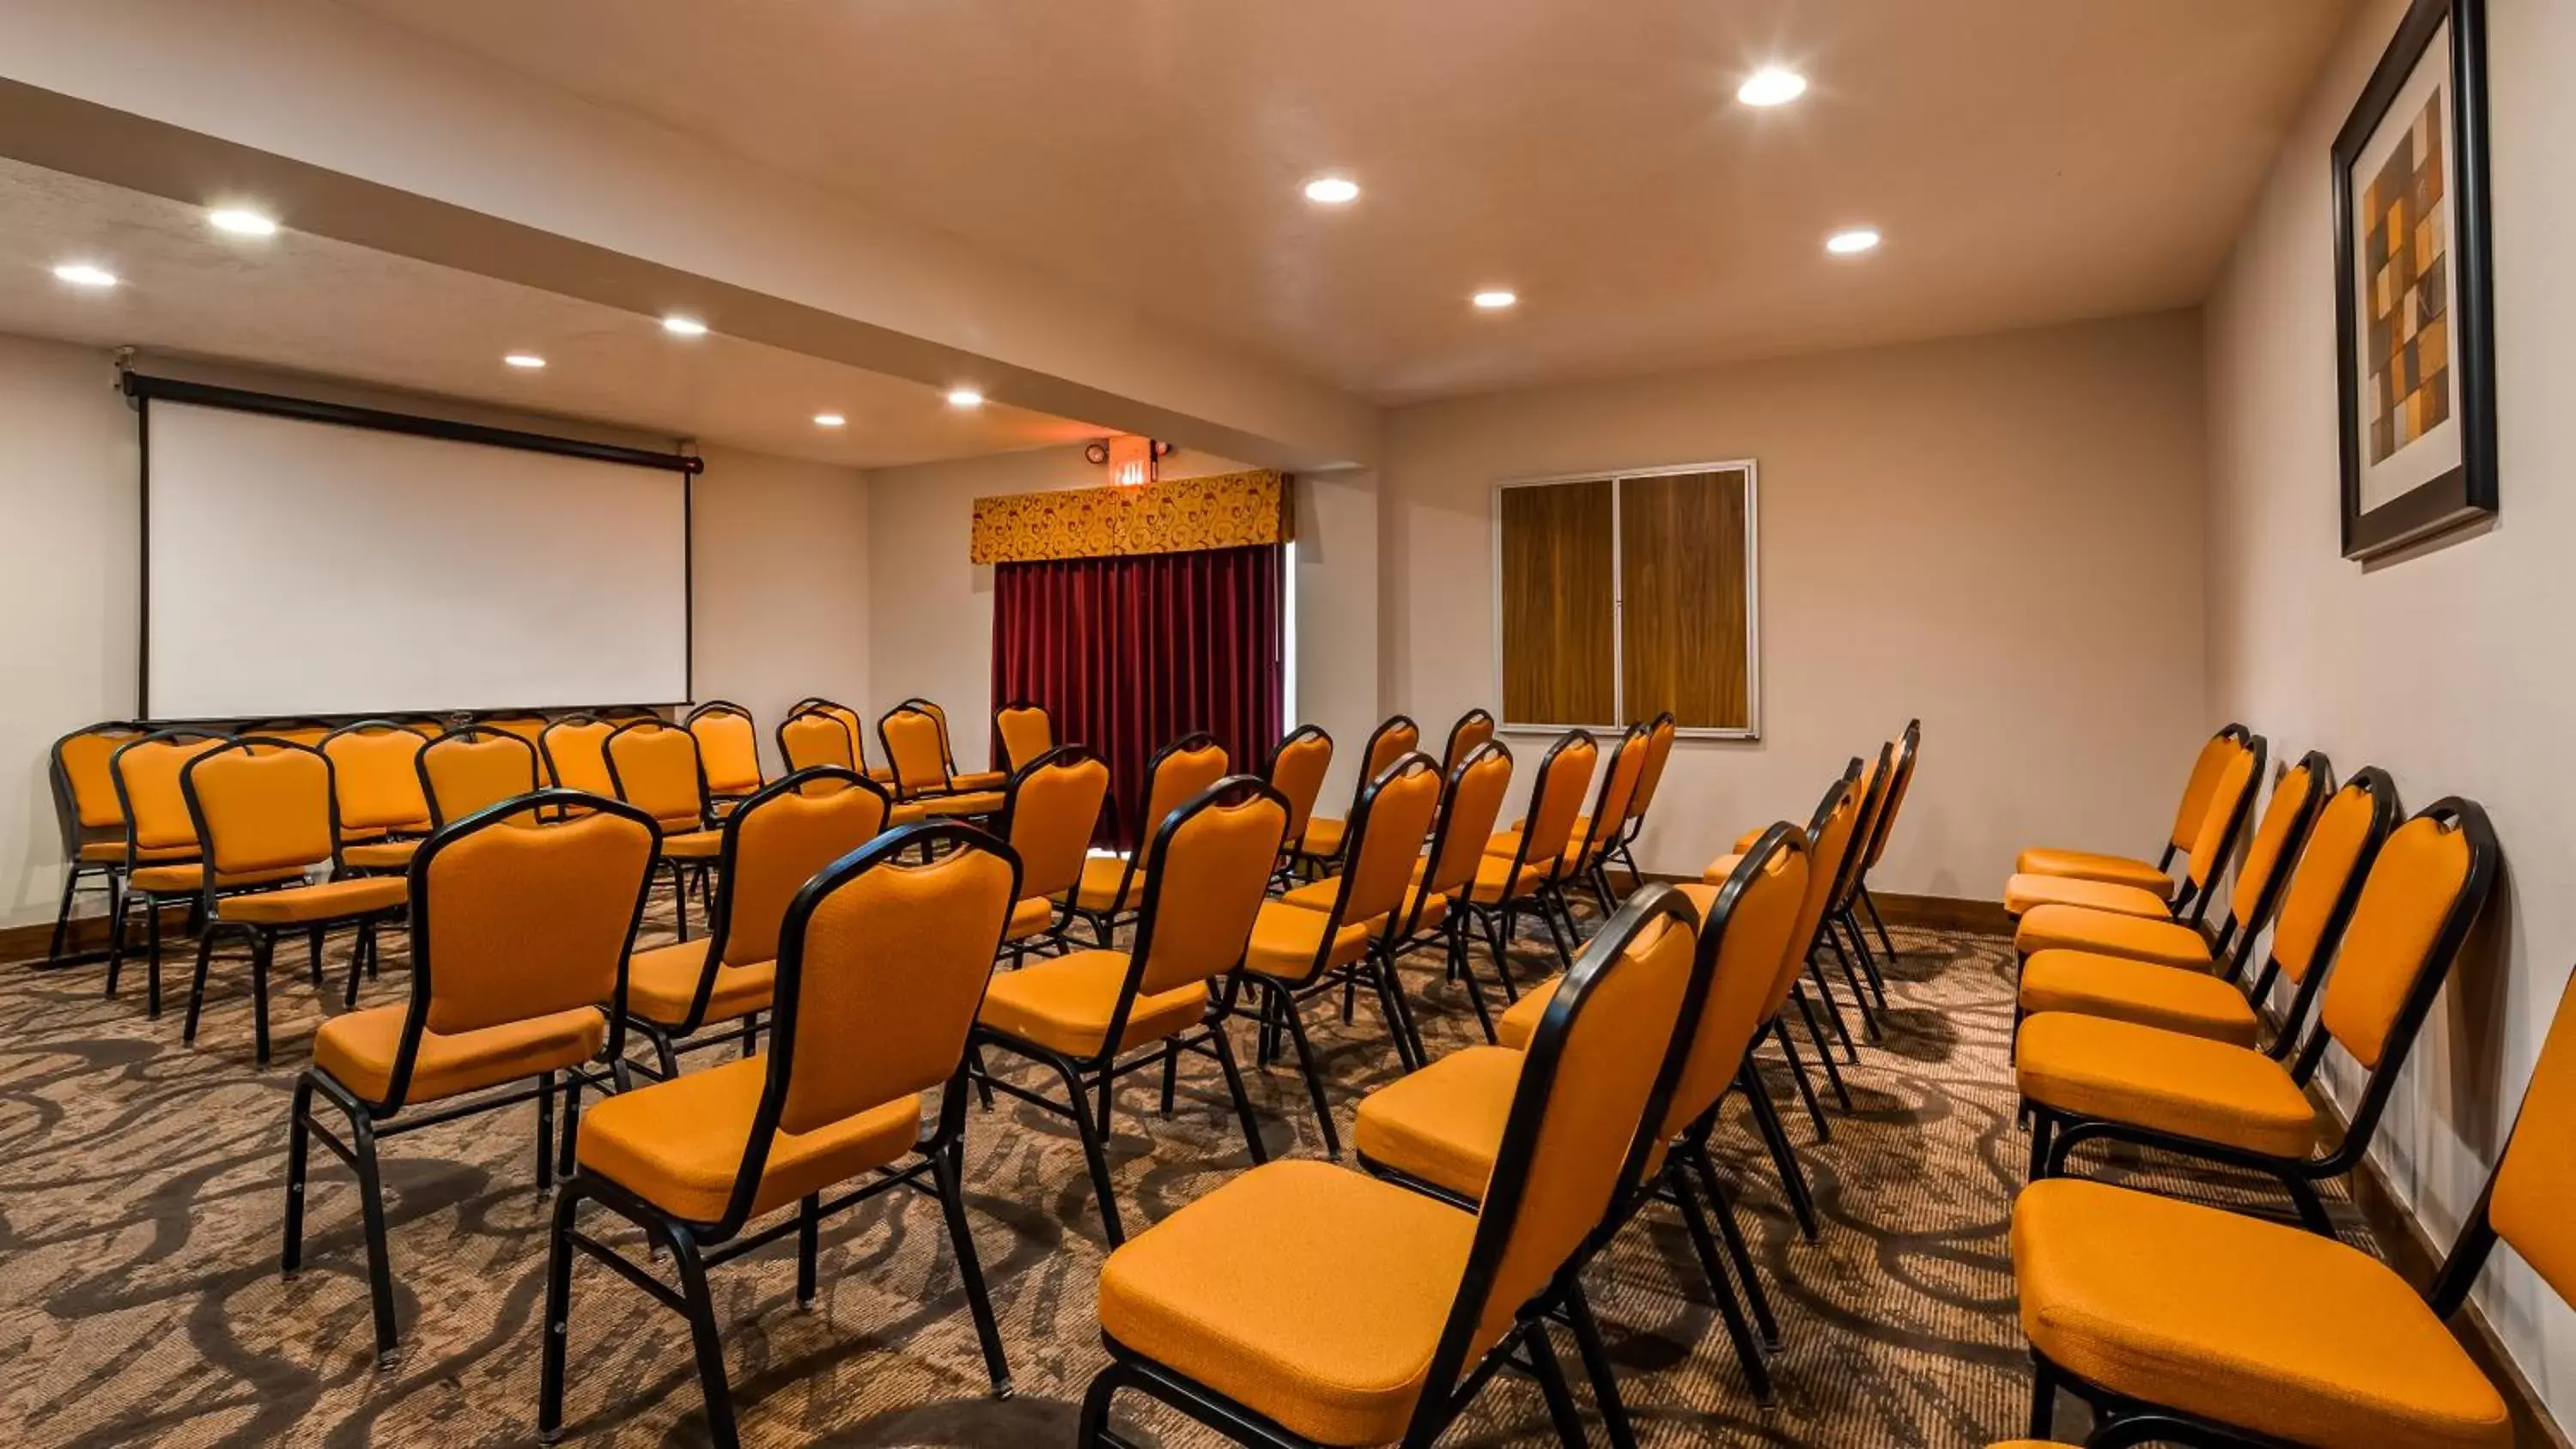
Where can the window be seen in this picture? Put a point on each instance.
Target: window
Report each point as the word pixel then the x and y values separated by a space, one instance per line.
pixel 1620 596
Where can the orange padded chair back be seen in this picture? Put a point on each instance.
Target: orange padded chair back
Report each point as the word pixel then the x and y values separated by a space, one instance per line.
pixel 1908 746
pixel 1052 812
pixel 576 752
pixel 1389 742
pixel 1387 831
pixel 261 804
pixel 1618 791
pixel 1026 730
pixel 728 748
pixel 375 768
pixel 2424 889
pixel 1469 734
pixel 653 766
pixel 82 785
pixel 2230 800
pixel 1558 798
pixel 1297 770
pixel 473 769
pixel 772 850
pixel 1476 791
pixel 2286 818
pixel 1184 770
pixel 812 738
pixel 1659 752
pixel 146 774
pixel 1829 840
pixel 1208 869
pixel 2202 784
pixel 915 749
pixel 1748 927
pixel 2327 880
pixel 513 924
pixel 881 969
pixel 2527 1202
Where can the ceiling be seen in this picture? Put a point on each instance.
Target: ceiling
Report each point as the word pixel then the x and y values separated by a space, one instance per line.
pixel 2029 161
pixel 313 305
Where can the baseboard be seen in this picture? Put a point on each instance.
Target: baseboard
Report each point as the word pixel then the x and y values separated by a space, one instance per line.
pixel 30 942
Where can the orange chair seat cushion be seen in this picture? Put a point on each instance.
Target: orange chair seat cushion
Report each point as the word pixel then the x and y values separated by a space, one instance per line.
pixel 980 780
pixel 1064 1004
pixel 336 900
pixel 1337 1349
pixel 358 1050
pixel 1287 941
pixel 1443 1124
pixel 1515 1027
pixel 662 984
pixel 1494 879
pixel 1320 895
pixel 679 1144
pixel 2254 1324
pixel 1098 888
pixel 2137 991
pixel 979 802
pixel 2094 865
pixel 2024 893
pixel 2060 927
pixel 693 845
pixel 112 852
pixel 1029 917
pixel 1323 835
pixel 905 812
pixel 180 880
pixel 2165 1081
pixel 380 855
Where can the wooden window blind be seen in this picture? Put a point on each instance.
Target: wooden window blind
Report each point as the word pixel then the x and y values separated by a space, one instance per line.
pixel 1621 596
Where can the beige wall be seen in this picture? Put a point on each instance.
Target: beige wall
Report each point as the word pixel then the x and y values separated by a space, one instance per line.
pixel 1998 534
pixel 932 613
pixel 2448 668
pixel 780 552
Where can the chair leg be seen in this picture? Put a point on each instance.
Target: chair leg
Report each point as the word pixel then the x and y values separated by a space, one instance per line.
pixel 1597 1367
pixel 1731 1235
pixel 1454 943
pixel 946 1166
pixel 358 953
pixel 197 991
pixel 679 899
pixel 1860 994
pixel 1171 1077
pixel 1824 1054
pixel 1234 1088
pixel 63 917
pixel 1094 1155
pixel 1739 1334
pixel 1784 1154
pixel 546 1132
pixel 1868 960
pixel 550 1383
pixel 1093 1432
pixel 1878 921
pixel 119 900
pixel 2043 1397
pixel 1399 1025
pixel 2042 1129
pixel 565 1159
pixel 1833 1010
pixel 983 1082
pixel 809 1248
pixel 701 1308
pixel 299 1146
pixel 1551 1383
pixel 1285 1003
pixel 1497 930
pixel 2312 1209
pixel 371 1207
pixel 313 940
pixel 152 937
pixel 263 950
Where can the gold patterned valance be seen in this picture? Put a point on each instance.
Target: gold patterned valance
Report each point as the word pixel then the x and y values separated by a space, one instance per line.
pixel 1224 510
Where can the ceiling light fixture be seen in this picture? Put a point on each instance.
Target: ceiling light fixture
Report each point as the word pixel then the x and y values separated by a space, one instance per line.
pixel 1851 243
pixel 525 361
pixel 240 222
pixel 684 327
pixel 1771 86
pixel 82 274
pixel 829 420
pixel 965 397
pixel 1332 191
pixel 1496 300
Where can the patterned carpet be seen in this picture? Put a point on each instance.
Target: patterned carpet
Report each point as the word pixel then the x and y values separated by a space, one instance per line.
pixel 140 1196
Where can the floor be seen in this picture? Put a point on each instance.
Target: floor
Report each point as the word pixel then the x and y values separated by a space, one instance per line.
pixel 140 1196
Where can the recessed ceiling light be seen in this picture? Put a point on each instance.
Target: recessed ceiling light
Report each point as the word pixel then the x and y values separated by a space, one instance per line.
pixel 527 361
pixel 1851 243
pixel 82 274
pixel 244 223
pixel 965 397
pixel 1332 191
pixel 1771 86
pixel 1495 301
pixel 684 327
pixel 829 420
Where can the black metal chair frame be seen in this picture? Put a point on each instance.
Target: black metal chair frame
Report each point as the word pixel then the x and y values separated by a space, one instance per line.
pixel 1499 920
pixel 153 901
pixel 370 1122
pixel 1056 940
pixel 67 815
pixel 695 1246
pixel 718 709
pixel 1451 934
pixel 685 874
pixel 1909 745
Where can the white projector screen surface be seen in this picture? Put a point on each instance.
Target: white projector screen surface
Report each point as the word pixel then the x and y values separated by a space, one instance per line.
pixel 305 568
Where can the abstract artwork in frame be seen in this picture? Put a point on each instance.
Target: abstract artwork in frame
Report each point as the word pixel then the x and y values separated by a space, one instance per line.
pixel 2414 301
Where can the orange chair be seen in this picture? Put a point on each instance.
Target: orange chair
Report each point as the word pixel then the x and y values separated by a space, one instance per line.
pixel 1297 953
pixel 815 735
pixel 384 811
pixel 1660 734
pixel 770 845
pixel 1297 769
pixel 575 749
pixel 880 970
pixel 1391 741
pixel 1595 834
pixel 522 917
pixel 653 765
pixel 1471 733
pixel 161 859
pixel 266 816
pixel 915 739
pixel 728 750
pixel 1024 731
pixel 1909 746
pixel 1112 885
pixel 855 727
pixel 1093 1016
pixel 475 767
pixel 1524 876
pixel 1049 815
pixel 1301 1304
pixel 966 780
pixel 92 823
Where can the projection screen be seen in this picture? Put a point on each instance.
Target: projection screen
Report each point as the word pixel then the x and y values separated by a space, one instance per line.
pixel 298 567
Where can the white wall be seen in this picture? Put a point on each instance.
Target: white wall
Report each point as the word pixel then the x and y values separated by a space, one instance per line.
pixel 2448 668
pixel 781 560
pixel 932 611
pixel 2000 535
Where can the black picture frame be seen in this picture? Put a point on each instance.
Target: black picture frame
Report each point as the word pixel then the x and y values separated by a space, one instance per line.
pixel 2466 491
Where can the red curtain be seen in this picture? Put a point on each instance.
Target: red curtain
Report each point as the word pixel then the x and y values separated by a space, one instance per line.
pixel 1129 654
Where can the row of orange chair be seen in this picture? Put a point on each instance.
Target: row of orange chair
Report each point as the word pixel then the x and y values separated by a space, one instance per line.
pixel 2143 1020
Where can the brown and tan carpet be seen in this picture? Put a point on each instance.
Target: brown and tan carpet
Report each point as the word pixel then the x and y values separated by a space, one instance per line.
pixel 141 1188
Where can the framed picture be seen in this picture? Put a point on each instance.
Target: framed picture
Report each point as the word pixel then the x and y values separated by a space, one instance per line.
pixel 2414 304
